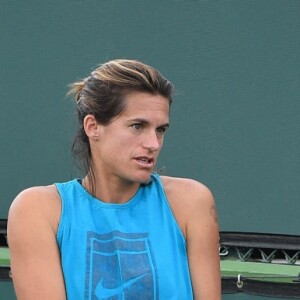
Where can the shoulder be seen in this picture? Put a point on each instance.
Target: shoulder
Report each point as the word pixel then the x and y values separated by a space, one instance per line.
pixel 189 192
pixel 190 200
pixel 39 204
pixel 40 197
pixel 182 186
pixel 48 191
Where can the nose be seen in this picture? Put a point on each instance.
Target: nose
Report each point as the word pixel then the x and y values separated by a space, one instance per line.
pixel 152 141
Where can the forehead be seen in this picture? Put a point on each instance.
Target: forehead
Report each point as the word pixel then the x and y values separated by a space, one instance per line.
pixel 147 104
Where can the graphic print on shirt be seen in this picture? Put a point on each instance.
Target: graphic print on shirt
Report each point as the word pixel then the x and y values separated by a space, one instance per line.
pixel 120 266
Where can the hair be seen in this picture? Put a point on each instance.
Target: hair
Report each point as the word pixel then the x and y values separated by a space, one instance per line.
pixel 102 94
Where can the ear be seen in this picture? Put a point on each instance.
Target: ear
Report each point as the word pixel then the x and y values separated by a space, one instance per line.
pixel 91 127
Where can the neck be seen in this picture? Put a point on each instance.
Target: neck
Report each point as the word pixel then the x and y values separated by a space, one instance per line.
pixel 110 191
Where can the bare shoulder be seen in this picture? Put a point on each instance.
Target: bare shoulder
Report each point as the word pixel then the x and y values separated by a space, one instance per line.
pixel 37 198
pixel 189 191
pixel 43 193
pixel 35 205
pixel 190 200
pixel 182 184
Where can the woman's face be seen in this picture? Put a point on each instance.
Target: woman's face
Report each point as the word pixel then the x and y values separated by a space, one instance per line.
pixel 127 148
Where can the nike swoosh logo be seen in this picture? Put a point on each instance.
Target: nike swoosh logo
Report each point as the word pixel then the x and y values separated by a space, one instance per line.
pixel 103 292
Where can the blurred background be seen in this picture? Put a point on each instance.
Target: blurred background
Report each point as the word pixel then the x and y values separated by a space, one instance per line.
pixel 235 119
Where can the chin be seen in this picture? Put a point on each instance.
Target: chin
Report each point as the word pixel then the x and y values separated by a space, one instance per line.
pixel 144 178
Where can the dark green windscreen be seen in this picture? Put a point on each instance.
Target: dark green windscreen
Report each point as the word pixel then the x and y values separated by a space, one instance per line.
pixel 235 122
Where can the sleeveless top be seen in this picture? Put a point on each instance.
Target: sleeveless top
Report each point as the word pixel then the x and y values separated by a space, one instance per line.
pixel 129 251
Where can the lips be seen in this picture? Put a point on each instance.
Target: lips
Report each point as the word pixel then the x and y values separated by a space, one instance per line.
pixel 145 161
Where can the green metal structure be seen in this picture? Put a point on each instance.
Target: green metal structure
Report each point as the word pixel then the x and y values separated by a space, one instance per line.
pixel 260 264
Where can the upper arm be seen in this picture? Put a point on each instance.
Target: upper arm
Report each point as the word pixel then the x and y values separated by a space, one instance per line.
pixel 194 208
pixel 35 259
pixel 202 235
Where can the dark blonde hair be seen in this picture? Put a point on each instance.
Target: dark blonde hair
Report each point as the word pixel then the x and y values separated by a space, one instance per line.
pixel 102 94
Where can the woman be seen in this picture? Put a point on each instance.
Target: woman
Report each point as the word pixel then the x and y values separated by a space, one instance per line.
pixel 123 231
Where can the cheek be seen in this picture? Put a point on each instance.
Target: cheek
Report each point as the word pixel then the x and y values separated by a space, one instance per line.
pixel 161 142
pixel 126 144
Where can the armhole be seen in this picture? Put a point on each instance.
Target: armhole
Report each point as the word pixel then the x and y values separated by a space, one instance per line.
pixel 162 190
pixel 59 233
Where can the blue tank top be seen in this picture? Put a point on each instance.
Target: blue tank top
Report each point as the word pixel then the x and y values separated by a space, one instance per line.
pixel 129 251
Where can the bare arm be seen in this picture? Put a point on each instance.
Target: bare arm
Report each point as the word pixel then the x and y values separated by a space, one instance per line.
pixel 203 247
pixel 194 208
pixel 35 259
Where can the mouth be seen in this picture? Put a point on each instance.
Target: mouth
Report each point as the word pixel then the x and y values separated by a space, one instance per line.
pixel 144 161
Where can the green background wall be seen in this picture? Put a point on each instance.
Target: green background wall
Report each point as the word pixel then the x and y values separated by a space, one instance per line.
pixel 235 120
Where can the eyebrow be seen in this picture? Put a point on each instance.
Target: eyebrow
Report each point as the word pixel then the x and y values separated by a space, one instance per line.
pixel 144 121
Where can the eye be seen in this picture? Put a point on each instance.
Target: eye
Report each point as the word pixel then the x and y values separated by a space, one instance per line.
pixel 161 130
pixel 137 126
